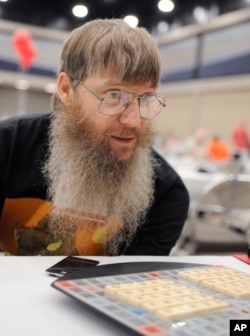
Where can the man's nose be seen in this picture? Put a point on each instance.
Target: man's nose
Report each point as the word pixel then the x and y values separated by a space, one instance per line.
pixel 131 116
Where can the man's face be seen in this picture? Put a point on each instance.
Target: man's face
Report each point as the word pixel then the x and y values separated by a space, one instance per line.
pixel 121 133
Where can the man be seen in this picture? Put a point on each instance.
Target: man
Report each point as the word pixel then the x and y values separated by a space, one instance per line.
pixel 83 180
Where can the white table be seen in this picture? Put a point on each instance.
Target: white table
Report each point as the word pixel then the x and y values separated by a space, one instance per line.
pixel 29 306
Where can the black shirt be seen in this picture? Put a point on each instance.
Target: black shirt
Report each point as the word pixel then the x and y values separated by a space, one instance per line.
pixel 23 150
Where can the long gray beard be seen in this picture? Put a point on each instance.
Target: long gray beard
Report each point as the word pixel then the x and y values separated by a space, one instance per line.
pixel 86 177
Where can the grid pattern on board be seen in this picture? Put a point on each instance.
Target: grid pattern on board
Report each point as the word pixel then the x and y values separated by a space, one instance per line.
pixel 189 302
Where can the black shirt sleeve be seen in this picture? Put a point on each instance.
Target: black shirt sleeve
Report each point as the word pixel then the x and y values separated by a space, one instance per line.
pixel 166 217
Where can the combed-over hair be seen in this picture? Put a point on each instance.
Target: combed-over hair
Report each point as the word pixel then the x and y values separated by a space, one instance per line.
pixel 111 45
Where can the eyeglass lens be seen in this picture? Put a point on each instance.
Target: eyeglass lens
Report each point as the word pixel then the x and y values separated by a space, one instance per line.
pixel 116 102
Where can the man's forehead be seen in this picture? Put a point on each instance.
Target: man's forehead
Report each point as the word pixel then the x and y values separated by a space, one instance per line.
pixel 111 80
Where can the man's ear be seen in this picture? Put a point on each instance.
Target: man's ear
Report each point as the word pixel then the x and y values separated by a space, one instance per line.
pixel 64 88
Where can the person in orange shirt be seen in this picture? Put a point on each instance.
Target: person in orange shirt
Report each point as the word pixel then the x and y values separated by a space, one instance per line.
pixel 218 149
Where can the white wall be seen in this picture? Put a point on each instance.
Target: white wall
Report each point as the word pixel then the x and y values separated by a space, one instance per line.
pixel 216 104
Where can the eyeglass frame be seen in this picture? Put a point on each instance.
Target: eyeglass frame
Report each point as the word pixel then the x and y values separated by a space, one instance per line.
pixel 101 99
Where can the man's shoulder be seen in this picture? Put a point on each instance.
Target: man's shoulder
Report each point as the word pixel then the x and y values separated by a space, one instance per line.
pixel 166 178
pixel 163 170
pixel 27 120
pixel 26 128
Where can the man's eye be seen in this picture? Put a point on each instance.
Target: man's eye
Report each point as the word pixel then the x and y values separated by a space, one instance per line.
pixel 114 95
pixel 148 98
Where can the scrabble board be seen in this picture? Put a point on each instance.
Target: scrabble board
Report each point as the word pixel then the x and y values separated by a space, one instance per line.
pixel 185 302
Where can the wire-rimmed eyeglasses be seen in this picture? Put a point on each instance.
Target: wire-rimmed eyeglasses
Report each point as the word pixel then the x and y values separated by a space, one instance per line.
pixel 115 102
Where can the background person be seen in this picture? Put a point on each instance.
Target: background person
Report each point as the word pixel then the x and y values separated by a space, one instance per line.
pixel 218 149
